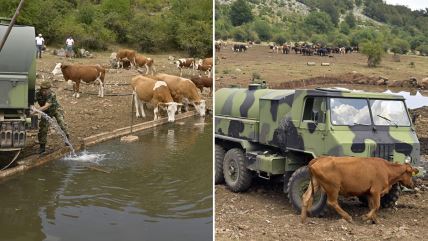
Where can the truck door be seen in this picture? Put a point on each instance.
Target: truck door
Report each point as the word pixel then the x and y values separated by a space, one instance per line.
pixel 312 125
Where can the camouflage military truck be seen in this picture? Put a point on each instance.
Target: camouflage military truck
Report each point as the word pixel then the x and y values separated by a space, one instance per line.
pixel 17 84
pixel 273 134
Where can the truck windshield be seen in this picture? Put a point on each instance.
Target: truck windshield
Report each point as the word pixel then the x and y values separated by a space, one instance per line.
pixel 349 112
pixel 389 112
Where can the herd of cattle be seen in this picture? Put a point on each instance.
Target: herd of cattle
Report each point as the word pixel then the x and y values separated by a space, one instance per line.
pixel 304 49
pixel 162 91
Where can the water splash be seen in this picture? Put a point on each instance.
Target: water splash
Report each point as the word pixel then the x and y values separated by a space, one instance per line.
pixel 85 157
pixel 54 123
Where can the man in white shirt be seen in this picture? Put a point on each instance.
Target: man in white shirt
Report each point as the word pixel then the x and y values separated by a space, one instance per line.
pixel 40 41
pixel 69 46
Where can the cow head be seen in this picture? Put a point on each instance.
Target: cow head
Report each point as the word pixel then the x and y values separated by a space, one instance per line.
pixel 200 107
pixel 406 177
pixel 57 69
pixel 171 108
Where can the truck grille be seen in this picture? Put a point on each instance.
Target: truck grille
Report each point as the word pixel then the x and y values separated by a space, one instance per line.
pixel 12 134
pixel 385 151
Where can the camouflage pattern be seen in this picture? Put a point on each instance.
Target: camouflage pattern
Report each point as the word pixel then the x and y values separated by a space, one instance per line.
pixel 272 120
pixel 54 111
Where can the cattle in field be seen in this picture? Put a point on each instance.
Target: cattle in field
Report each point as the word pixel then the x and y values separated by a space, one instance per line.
pixel 203 81
pixel 206 61
pixel 354 176
pixel 185 63
pixel 348 49
pixel 125 54
pixel 183 91
pixel 148 63
pixel 147 90
pixel 342 50
pixel 239 48
pixel 322 52
pixel 78 73
pixel 204 68
pixel 285 49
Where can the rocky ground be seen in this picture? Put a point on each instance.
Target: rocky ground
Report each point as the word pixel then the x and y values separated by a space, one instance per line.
pixel 264 212
pixel 90 114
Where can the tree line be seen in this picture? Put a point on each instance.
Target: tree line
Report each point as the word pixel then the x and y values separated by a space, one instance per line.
pixel 146 25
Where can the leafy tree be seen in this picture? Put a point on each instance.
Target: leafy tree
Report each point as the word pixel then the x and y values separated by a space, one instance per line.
pixel 318 22
pixel 400 46
pixel 263 29
pixel 374 52
pixel 350 20
pixel 341 40
pixel 344 28
pixel 423 49
pixel 240 12
pixel 329 7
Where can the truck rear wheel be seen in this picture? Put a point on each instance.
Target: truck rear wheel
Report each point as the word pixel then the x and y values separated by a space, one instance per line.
pixel 297 186
pixel 219 158
pixel 237 176
pixel 388 200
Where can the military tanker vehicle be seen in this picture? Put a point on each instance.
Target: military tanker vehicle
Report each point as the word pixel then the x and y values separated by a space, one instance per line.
pixel 17 84
pixel 273 134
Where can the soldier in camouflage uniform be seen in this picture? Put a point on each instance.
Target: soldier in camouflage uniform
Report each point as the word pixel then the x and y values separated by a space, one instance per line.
pixel 49 105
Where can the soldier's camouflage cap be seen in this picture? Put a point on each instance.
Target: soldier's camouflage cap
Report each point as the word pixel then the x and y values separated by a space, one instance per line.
pixel 45 85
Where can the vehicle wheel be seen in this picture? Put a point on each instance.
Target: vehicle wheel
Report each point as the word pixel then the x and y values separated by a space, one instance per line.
pixel 297 186
pixel 219 158
pixel 236 175
pixel 388 200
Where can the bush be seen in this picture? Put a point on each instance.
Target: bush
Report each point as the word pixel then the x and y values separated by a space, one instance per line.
pixel 318 22
pixel 263 30
pixel 374 52
pixel 423 49
pixel 240 12
pixel 279 39
pixel 400 46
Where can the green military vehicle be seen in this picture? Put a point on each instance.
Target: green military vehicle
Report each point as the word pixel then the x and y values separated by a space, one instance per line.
pixel 17 84
pixel 273 134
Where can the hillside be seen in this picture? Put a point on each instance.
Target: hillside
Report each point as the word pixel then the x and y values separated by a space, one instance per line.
pixel 333 22
pixel 146 25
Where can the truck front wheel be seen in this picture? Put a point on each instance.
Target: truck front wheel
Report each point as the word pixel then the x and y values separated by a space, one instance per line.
pixel 297 186
pixel 219 158
pixel 237 176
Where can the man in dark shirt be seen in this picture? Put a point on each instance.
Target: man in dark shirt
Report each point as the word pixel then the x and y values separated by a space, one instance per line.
pixel 49 105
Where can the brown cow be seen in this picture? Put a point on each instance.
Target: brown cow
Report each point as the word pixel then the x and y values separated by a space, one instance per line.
pixel 203 81
pixel 148 63
pixel 85 73
pixel 188 63
pixel 146 90
pixel 354 176
pixel 123 54
pixel 183 91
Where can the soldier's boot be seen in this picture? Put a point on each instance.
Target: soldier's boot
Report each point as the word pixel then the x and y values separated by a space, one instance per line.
pixel 42 149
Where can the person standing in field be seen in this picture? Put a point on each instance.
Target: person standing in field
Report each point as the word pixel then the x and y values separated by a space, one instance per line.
pixel 69 43
pixel 40 42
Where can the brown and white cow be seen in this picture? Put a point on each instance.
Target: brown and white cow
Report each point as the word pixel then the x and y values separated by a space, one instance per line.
pixel 203 81
pixel 183 91
pixel 354 176
pixel 126 54
pixel 206 61
pixel 78 73
pixel 147 90
pixel 185 63
pixel 148 63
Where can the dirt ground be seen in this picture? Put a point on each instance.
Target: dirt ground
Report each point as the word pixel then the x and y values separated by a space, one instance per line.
pixel 90 114
pixel 264 212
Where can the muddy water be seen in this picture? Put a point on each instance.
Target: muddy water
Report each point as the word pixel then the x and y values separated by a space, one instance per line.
pixel 159 188
pixel 414 98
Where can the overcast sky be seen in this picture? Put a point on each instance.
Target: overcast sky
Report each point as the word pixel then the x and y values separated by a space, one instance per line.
pixel 412 4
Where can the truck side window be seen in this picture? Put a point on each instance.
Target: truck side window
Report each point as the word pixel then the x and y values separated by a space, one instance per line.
pixel 313 109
